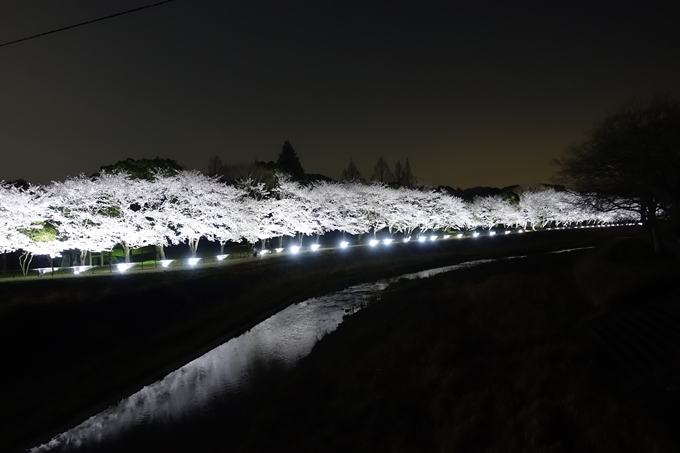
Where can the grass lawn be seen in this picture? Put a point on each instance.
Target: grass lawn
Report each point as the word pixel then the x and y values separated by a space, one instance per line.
pixel 489 359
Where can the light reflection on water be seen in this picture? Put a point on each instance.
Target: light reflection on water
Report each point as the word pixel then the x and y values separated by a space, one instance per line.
pixel 227 370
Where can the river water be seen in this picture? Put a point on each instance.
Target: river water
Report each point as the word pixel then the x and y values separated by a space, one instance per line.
pixel 205 404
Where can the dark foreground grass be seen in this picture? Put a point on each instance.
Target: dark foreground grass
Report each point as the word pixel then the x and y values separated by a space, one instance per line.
pixel 70 347
pixel 486 359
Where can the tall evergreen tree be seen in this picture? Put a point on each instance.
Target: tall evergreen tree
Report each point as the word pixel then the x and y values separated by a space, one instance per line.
pixel 382 172
pixel 407 179
pixel 351 173
pixel 289 162
pixel 398 174
pixel 214 165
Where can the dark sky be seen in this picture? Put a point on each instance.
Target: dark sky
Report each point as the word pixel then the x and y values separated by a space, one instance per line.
pixel 473 93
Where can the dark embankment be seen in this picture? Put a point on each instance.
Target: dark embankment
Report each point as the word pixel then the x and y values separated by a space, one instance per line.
pixel 485 359
pixel 72 346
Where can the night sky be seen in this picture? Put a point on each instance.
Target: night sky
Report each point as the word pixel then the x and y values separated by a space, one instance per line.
pixel 473 93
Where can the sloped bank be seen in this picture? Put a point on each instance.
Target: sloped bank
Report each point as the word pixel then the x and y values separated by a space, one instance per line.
pixel 70 347
pixel 483 359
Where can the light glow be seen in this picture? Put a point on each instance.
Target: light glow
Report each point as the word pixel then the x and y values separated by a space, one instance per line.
pixel 507 232
pixel 166 263
pixel 123 267
pixel 80 269
pixel 459 235
pixel 315 247
pixel 475 234
pixel 264 252
pixel 220 257
pixel 294 249
pixel 387 241
pixel 433 238
pixel 373 242
pixel 279 249
pixel 446 236
pixel 194 261
pixel 520 231
pixel 422 238
pixel 344 244
pixel 492 233
pixel 406 239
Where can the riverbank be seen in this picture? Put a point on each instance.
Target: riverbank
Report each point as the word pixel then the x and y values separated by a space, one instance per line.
pixel 72 346
pixel 492 358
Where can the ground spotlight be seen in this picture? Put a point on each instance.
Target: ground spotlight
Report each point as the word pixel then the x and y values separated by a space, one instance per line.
pixel 387 241
pixel 433 238
pixel 315 247
pixel 507 232
pixel 123 267
pixel 294 249
pixel 278 249
pixel 166 263
pixel 492 233
pixel 344 244
pixel 194 261
pixel 475 234
pixel 264 252
pixel 373 242
pixel 422 238
pixel 459 235
pixel 219 258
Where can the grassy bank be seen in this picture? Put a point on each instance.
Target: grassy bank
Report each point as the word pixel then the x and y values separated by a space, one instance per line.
pixel 484 359
pixel 72 346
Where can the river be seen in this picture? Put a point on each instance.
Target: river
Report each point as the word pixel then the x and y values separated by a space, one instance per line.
pixel 205 404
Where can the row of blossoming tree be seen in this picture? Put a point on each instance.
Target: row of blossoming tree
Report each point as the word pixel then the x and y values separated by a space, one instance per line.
pixel 97 213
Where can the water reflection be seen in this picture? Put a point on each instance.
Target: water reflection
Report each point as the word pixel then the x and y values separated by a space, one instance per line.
pixel 221 374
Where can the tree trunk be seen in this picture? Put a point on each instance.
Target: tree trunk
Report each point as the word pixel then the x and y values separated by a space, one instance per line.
pixel 126 250
pixel 222 247
pixel 280 241
pixel 160 252
pixel 649 222
pixel 83 257
pixel 193 246
pixel 300 238
pixel 25 261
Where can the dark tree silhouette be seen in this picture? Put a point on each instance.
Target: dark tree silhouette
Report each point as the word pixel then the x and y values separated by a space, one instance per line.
pixel 407 175
pixel 630 160
pixel 398 174
pixel 20 184
pixel 382 172
pixel 144 168
pixel 289 162
pixel 351 173
pixel 214 165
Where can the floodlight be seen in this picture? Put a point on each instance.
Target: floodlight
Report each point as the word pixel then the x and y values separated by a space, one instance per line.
pixel 123 267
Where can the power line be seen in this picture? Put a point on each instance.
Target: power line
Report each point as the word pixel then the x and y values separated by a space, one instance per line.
pixel 85 23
